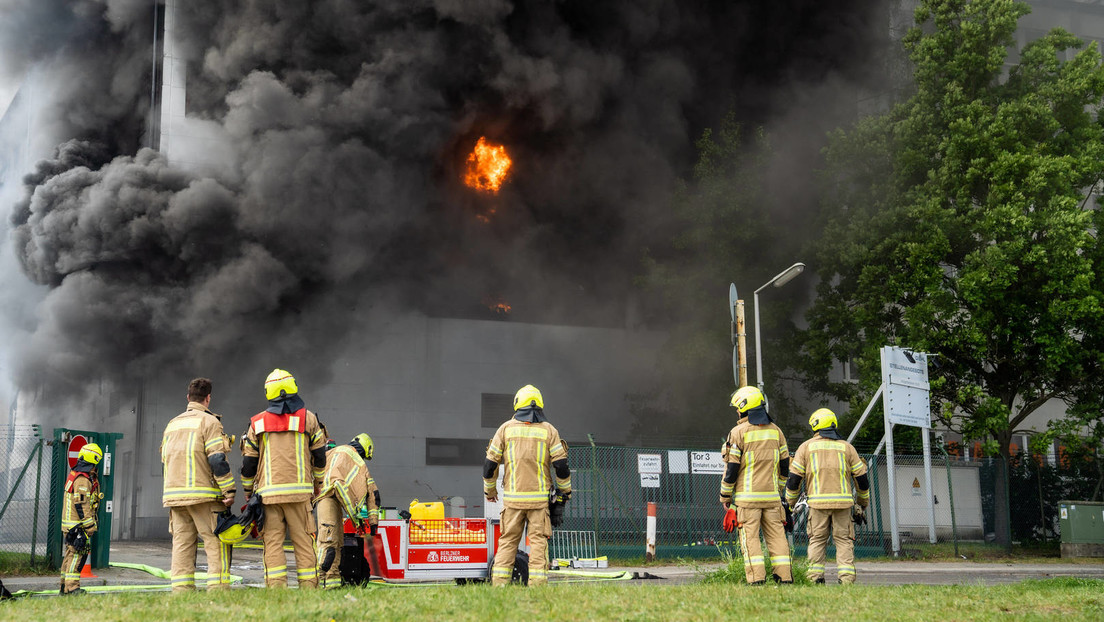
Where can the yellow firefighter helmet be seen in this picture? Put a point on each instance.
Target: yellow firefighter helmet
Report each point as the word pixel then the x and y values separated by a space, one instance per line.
pixel 280 383
pixel 365 443
pixel 528 396
pixel 229 528
pixel 91 453
pixel 822 419
pixel 746 398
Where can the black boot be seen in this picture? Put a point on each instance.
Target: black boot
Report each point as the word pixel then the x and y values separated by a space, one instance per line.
pixel 79 590
pixel 819 581
pixel 757 583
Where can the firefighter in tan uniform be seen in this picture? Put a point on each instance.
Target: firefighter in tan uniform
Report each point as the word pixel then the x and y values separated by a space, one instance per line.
pixel 828 463
pixel 78 516
pixel 346 486
pixel 198 486
pixel 284 459
pixel 757 462
pixel 532 454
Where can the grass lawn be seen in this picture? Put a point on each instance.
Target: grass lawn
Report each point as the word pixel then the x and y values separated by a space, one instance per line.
pixel 19 565
pixel 1072 599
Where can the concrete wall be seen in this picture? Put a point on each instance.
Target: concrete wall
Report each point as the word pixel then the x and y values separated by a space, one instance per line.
pixel 912 508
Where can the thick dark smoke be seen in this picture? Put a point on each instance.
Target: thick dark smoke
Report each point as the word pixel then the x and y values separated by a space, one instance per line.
pixel 343 126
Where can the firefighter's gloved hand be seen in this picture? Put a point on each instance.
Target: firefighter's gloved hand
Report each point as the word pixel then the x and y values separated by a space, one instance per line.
pixel 788 521
pixel 730 522
pixel 373 530
pixel 858 514
pixel 228 498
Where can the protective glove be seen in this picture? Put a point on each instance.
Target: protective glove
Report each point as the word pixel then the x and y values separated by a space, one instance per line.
pixel 557 507
pixel 858 514
pixel 788 522
pixel 373 530
pixel 731 522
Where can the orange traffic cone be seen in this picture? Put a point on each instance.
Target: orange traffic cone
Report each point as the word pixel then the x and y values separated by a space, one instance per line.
pixel 86 571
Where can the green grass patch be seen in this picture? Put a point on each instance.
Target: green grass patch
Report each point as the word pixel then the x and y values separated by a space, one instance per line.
pixel 733 571
pixel 19 564
pixel 1072 599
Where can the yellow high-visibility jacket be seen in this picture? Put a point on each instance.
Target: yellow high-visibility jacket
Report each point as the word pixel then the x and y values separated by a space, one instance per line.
pixel 187 443
pixel 526 451
pixel 757 449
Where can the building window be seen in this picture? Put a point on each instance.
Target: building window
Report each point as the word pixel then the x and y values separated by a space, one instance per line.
pixel 497 408
pixel 455 451
pixel 850 370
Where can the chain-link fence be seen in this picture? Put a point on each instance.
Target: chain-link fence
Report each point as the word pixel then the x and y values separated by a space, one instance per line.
pixel 613 485
pixel 24 495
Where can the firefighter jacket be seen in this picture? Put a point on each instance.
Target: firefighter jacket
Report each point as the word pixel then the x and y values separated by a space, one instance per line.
pixel 828 466
pixel 284 456
pixel 531 455
pixel 347 478
pixel 79 506
pixel 756 450
pixel 193 448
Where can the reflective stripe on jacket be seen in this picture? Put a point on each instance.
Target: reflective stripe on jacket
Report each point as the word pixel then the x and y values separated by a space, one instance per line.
pixel 526 451
pixel 757 449
pixel 189 439
pixel 284 471
pixel 78 494
pixel 828 467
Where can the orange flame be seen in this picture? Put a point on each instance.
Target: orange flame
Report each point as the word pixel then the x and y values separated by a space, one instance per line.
pixel 498 305
pixel 488 165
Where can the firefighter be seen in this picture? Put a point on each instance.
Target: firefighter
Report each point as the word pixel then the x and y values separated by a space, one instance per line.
pixel 828 463
pixel 198 486
pixel 78 516
pixel 756 464
pixel 284 459
pixel 346 486
pixel 532 454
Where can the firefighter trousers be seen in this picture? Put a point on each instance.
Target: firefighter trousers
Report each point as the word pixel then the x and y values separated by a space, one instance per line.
pixel 771 521
pixel 294 520
pixel 188 524
pixel 513 525
pixel 331 537
pixel 70 570
pixel 837 523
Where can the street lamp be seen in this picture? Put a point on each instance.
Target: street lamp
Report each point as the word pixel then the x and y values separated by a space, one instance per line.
pixel 779 280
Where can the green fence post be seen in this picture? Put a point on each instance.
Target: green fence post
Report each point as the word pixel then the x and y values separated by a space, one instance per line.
pixel 950 493
pixel 686 510
pixel 594 487
pixel 38 494
pixel 58 472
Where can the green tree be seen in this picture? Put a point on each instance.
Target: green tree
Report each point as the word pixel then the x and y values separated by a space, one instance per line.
pixel 960 223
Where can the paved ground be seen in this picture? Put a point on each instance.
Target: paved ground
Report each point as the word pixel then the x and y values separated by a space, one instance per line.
pixel 247 564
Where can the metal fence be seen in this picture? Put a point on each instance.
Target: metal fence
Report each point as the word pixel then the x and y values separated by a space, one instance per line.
pixel 25 495
pixel 610 499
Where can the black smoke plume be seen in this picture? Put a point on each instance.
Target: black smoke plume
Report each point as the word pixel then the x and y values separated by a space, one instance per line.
pixel 342 127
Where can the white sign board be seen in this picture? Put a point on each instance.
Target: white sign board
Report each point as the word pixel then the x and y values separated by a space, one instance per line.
pixel 649 463
pixel 677 462
pixel 905 374
pixel 707 462
pixel 649 480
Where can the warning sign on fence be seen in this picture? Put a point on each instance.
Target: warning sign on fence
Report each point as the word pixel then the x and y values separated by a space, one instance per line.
pixel 706 462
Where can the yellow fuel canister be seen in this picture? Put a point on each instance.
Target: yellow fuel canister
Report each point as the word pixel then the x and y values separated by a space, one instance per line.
pixel 427 511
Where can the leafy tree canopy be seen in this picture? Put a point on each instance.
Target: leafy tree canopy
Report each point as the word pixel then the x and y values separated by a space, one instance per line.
pixel 960 223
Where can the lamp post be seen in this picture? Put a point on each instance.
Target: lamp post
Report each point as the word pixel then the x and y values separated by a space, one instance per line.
pixel 779 280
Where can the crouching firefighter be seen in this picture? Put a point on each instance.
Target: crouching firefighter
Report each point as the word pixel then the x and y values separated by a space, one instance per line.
pixel 757 462
pixel 346 486
pixel 284 459
pixel 198 487
pixel 531 454
pixel 828 463
pixel 78 516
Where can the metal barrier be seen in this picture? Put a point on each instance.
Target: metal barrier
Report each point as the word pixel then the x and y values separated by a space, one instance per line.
pixel 572 545
pixel 25 495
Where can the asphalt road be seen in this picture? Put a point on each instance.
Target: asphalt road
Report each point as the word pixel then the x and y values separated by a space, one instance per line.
pixel 247 564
